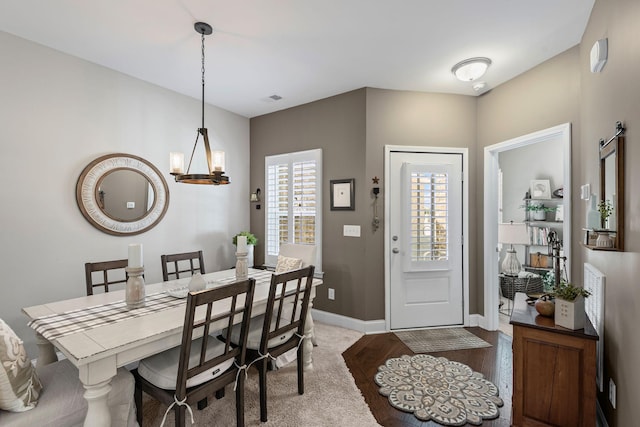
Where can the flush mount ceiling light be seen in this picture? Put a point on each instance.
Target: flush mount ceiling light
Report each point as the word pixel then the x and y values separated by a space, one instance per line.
pixel 215 159
pixel 471 69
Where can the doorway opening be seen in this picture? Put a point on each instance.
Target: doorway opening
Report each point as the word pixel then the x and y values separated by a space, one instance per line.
pixel 562 133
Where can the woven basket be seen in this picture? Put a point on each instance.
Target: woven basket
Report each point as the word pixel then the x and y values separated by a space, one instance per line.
pixel 520 284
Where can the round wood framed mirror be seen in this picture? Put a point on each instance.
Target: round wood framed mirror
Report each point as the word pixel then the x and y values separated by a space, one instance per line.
pixel 122 194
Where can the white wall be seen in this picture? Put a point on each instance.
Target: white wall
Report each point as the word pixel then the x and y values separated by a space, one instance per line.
pixel 543 160
pixel 57 113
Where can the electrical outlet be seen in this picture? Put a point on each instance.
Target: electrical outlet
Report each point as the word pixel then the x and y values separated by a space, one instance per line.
pixel 332 294
pixel 612 393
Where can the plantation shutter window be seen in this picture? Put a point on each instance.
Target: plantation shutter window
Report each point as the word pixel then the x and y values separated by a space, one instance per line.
pixel 293 202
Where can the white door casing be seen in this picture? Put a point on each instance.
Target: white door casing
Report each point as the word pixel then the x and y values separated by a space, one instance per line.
pixel 426 247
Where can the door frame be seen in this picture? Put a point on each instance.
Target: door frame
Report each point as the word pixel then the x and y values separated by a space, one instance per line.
pixel 563 132
pixel 388 149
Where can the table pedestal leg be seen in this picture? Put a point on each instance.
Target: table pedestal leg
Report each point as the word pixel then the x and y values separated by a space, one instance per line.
pixel 98 414
pixel 307 343
pixel 46 352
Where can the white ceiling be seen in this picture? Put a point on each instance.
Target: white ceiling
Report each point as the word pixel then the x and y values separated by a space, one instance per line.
pixel 302 50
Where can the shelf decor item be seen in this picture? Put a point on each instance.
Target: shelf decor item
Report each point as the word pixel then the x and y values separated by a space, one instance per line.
pixel 537 210
pixel 540 189
pixel 606 209
pixel 570 312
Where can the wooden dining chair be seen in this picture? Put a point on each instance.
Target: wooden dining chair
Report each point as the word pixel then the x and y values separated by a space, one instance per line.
pixel 113 273
pixel 174 265
pixel 197 368
pixel 281 328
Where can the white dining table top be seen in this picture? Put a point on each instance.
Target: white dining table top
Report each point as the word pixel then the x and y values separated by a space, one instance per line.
pixel 137 337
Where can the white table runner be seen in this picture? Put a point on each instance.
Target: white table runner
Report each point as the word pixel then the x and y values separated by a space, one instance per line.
pixel 58 325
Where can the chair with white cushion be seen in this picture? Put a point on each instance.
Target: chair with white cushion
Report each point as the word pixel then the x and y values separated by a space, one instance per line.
pixel 287 260
pixel 305 253
pixel 281 328
pixel 184 375
pixel 53 396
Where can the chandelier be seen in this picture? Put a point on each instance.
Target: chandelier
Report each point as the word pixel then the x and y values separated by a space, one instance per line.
pixel 215 159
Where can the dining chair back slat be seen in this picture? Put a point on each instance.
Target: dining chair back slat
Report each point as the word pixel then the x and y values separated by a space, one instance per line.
pixel 175 265
pixel 113 273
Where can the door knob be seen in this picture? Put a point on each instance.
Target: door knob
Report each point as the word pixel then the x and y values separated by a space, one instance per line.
pixel 395 250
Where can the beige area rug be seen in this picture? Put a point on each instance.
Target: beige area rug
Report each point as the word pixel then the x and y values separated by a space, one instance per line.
pixel 434 340
pixel 331 397
pixel 437 389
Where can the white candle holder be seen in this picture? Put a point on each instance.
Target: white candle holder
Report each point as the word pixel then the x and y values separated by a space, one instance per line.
pixel 134 290
pixel 242 266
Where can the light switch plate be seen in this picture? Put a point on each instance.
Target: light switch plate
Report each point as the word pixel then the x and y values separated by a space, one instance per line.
pixel 585 192
pixel 351 230
pixel 131 205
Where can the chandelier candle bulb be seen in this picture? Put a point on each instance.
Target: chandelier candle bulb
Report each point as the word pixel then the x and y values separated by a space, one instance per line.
pixel 176 162
pixel 135 255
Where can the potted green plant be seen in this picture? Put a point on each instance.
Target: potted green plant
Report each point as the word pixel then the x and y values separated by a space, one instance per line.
pixel 252 240
pixel 570 305
pixel 606 209
pixel 538 210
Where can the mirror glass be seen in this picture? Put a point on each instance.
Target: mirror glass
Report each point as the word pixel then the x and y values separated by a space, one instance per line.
pixel 122 194
pixel 612 186
pixel 125 195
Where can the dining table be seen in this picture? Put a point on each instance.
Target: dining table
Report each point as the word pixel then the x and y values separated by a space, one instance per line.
pixel 99 333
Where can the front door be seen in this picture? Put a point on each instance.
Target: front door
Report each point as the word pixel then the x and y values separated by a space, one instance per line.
pixel 425 238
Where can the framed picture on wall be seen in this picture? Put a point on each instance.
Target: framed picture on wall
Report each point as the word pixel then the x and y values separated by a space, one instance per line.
pixel 540 189
pixel 342 194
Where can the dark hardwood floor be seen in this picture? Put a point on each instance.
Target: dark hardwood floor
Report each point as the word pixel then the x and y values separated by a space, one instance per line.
pixel 371 351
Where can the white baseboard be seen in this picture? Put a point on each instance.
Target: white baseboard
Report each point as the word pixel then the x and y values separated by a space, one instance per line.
pixel 476 320
pixel 364 326
pixel 372 326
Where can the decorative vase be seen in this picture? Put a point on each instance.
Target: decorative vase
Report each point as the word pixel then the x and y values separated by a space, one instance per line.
pixel 570 314
pixel 545 306
pixel 134 288
pixel 604 240
pixel 593 216
pixel 539 214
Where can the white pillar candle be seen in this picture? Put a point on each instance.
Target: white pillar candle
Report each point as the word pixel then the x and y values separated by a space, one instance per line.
pixel 135 255
pixel 242 244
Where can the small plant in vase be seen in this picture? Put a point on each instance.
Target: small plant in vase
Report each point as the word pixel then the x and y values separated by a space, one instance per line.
pixel 606 209
pixel 569 311
pixel 538 210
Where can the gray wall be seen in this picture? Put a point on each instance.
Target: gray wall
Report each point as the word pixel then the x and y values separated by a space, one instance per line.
pixel 353 129
pixel 57 114
pixel 337 125
pixel 606 98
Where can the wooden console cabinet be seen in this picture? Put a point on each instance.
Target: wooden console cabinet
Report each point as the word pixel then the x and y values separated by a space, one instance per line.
pixel 554 370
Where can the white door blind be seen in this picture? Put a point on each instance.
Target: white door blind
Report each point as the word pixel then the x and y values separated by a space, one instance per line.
pixel 293 202
pixel 429 216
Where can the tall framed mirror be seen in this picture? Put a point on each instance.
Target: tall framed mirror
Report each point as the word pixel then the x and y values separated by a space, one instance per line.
pixel 122 194
pixel 612 184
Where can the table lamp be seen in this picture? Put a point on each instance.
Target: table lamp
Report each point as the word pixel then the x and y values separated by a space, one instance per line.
pixel 512 234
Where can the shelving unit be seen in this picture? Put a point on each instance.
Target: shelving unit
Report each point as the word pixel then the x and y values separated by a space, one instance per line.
pixel 540 229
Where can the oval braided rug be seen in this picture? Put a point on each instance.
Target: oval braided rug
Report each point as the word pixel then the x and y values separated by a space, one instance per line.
pixel 437 389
